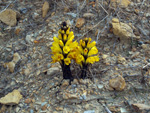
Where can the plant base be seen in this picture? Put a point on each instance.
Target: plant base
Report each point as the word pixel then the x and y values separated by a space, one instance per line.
pixel 67 72
pixel 84 71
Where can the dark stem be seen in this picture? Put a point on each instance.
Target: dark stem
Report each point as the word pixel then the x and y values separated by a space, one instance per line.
pixel 67 72
pixel 84 71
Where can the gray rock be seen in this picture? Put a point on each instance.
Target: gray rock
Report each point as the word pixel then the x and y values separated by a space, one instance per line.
pixel 72 14
pixel 100 86
pixel 17 109
pixel 53 70
pixel 23 10
pixel 31 111
pixel 43 103
pixel 28 39
pixel 89 111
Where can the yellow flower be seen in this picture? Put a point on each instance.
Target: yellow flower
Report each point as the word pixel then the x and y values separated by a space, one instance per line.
pixel 62 31
pixel 89 45
pixel 93 51
pixel 92 59
pixel 80 49
pixel 60 36
pixel 96 58
pixel 89 40
pixel 74 46
pixel 61 43
pixel 72 55
pixel 67 32
pixel 67 61
pixel 80 42
pixel 56 48
pixel 83 44
pixel 64 37
pixel 79 59
pixel 57 58
pixel 85 51
pixel 70 35
pixel 55 39
pixel 69 42
pixel 66 49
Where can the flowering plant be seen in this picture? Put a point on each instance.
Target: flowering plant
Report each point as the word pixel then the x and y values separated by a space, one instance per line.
pixel 64 49
pixel 86 55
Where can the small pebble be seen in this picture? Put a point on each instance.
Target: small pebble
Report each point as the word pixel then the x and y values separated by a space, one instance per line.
pixel 89 111
pixel 31 111
pixel 72 14
pixel 23 10
pixel 43 103
pixel 140 42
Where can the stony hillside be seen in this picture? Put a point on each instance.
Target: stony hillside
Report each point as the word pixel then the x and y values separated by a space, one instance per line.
pixel 118 83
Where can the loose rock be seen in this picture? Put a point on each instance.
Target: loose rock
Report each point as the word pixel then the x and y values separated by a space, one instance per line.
pixel 28 39
pixel 17 31
pixel 65 83
pixel 16 58
pixel 53 70
pixel 8 17
pixel 89 111
pixel 117 83
pixel 70 96
pixel 59 109
pixel 45 9
pixel 135 55
pixel 11 98
pixel 140 108
pixel 121 3
pixel 28 100
pixel 88 15
pixel 121 29
pixel 80 22
pixel 26 71
pixel 144 46
pixel 11 66
pixel 121 60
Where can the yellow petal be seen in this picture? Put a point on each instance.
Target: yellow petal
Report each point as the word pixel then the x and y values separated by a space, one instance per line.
pixel 96 58
pixel 89 40
pixel 62 32
pixel 69 42
pixel 74 46
pixel 90 60
pixel 55 39
pixel 56 48
pixel 85 51
pixel 72 55
pixel 61 43
pixel 70 35
pixel 83 44
pixel 93 51
pixel 89 45
pixel 68 30
pixel 67 61
pixel 79 59
pixel 64 37
pixel 66 49
pixel 60 36
pixel 80 42
pixel 57 58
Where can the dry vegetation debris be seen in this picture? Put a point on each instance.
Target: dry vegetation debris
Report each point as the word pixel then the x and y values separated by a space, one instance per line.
pixel 25 62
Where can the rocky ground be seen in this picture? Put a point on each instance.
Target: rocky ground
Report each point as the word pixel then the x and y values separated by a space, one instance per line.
pixel 119 83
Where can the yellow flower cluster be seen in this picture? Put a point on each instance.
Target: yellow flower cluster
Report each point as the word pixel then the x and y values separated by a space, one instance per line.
pixel 63 47
pixel 87 52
